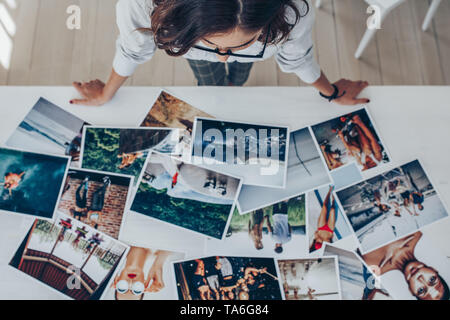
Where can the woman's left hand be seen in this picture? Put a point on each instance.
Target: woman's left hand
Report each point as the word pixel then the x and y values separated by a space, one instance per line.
pixel 352 89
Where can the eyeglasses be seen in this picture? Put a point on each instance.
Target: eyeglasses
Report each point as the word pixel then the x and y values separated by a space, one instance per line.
pixel 137 288
pixel 232 54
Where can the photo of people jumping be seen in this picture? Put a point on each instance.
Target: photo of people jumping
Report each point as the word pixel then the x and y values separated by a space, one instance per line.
pixel 391 205
pixel 351 138
pixel 227 278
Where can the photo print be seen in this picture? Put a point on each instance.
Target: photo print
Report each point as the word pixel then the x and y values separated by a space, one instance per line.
pixel 227 278
pixel 391 205
pixel 169 111
pixel 185 195
pixel 305 172
pixel 31 183
pixel 49 129
pixel 326 222
pixel 412 268
pixel 124 150
pixel 357 282
pixel 351 138
pixel 310 279
pixel 276 230
pixel 69 256
pixel 145 274
pixel 257 153
pixel 96 198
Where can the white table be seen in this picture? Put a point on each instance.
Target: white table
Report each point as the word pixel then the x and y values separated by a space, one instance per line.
pixel 414 122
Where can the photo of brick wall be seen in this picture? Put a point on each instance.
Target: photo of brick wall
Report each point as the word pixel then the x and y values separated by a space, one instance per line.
pixel 96 198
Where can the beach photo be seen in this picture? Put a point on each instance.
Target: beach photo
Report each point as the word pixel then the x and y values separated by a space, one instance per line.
pixel 124 150
pixel 305 171
pixel 171 112
pixel 257 153
pixel 227 278
pixel 357 282
pixel 69 256
pixel 185 195
pixel 413 268
pixel 351 138
pixel 31 183
pixel 276 230
pixel 310 279
pixel 145 274
pixel 49 129
pixel 326 222
pixel 96 198
pixel 391 205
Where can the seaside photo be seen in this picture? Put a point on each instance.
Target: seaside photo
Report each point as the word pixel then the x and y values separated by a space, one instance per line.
pixel 49 129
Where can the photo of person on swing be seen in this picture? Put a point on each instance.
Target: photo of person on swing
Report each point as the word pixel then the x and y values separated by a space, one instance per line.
pixel 96 198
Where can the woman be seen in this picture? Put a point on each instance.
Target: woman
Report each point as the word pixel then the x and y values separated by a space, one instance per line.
pixel 210 33
pixel 325 227
pixel 423 281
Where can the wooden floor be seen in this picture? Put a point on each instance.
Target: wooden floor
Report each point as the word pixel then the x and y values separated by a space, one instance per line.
pixel 36 48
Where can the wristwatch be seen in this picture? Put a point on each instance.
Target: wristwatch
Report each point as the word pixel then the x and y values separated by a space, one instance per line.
pixel 335 94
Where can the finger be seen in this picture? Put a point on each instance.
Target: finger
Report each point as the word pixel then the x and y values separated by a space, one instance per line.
pixel 361 101
pixel 84 102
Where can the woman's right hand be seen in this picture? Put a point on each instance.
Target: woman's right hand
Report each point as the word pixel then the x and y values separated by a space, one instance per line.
pixel 92 92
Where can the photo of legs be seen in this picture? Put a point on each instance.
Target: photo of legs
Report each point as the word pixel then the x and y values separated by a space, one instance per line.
pixel 227 278
pixel 278 229
pixel 326 223
pixel 310 279
pixel 391 205
pixel 96 198
pixel 351 138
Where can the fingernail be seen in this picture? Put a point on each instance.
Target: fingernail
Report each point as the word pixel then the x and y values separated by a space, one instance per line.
pixel 368 101
pixel 71 102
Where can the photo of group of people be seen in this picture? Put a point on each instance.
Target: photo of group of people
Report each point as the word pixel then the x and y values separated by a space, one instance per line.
pixel 96 198
pixel 49 129
pixel 186 195
pixel 227 278
pixel 69 256
pixel 351 138
pixel 257 153
pixel 31 183
pixel 278 229
pixel 391 205
pixel 144 275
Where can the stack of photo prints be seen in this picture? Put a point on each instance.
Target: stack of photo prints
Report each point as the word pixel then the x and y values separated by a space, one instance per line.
pixel 316 213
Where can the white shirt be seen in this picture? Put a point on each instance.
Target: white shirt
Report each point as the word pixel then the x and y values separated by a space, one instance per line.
pixel 281 231
pixel 295 55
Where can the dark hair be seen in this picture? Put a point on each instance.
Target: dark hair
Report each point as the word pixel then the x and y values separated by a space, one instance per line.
pixel 278 249
pixel 446 295
pixel 177 25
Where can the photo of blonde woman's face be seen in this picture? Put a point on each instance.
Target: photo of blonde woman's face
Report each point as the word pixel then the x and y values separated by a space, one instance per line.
pixel 424 282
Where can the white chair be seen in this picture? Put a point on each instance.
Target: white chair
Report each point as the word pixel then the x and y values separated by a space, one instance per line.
pixel 386 6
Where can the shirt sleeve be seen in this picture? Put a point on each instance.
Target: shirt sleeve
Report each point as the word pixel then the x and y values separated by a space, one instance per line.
pixel 296 54
pixel 133 47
